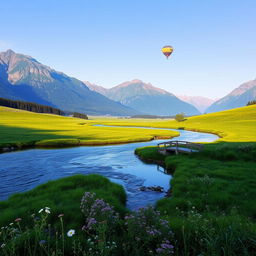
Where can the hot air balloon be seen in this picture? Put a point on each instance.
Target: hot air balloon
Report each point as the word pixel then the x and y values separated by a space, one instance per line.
pixel 167 50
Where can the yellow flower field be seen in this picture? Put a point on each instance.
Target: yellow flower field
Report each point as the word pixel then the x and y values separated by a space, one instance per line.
pixel 232 125
pixel 21 128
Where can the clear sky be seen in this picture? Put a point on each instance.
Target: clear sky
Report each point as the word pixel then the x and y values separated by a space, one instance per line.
pixel 108 42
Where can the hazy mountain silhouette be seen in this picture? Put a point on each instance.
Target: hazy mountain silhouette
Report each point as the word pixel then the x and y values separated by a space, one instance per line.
pixel 200 102
pixel 237 98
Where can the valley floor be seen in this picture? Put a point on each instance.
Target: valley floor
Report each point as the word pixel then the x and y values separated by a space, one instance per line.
pixel 26 129
pixel 212 206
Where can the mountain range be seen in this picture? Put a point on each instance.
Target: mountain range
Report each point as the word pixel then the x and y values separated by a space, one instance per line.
pixel 237 98
pixel 24 78
pixel 146 98
pixel 201 103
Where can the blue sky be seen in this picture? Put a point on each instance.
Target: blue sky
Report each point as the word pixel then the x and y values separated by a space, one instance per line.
pixel 108 42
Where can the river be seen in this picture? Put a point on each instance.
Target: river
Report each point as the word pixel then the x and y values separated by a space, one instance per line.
pixel 23 170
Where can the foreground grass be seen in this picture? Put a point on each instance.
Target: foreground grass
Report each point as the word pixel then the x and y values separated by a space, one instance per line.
pixel 212 208
pixel 22 128
pixel 37 222
pixel 75 216
pixel 62 195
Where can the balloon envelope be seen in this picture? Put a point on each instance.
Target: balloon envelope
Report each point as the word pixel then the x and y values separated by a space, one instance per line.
pixel 167 50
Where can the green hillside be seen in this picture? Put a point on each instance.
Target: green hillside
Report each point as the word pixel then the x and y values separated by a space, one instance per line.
pixel 23 128
pixel 232 125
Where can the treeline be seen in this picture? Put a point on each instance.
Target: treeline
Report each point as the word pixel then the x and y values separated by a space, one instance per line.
pixel 79 115
pixel 252 102
pixel 30 106
pixel 38 108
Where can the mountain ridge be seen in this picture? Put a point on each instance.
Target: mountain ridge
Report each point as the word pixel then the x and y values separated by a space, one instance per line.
pixel 236 98
pixel 24 78
pixel 147 98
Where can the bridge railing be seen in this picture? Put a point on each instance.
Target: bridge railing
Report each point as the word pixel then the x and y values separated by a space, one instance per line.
pixel 179 146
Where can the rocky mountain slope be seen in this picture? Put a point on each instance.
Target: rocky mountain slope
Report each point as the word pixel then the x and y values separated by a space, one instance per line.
pixel 237 98
pixel 24 78
pixel 146 98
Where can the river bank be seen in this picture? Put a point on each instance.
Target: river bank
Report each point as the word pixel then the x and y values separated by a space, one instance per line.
pixel 212 197
pixel 116 162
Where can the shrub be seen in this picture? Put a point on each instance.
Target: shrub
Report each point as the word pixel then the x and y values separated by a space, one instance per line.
pixel 180 117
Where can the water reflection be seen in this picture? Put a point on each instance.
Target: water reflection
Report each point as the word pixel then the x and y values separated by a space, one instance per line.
pixel 161 169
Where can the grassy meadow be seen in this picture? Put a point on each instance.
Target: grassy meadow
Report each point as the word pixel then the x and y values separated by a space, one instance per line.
pixel 62 196
pixel 22 128
pixel 212 207
pixel 235 125
pixel 26 129
pixel 82 215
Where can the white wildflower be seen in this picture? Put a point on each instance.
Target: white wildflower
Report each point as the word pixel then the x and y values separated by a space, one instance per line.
pixel 47 211
pixel 71 232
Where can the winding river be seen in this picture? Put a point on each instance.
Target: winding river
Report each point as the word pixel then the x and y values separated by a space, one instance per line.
pixel 23 170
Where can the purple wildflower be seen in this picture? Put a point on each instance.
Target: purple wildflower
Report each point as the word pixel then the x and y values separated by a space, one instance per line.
pixel 42 242
pixel 159 250
pixel 90 222
pixel 167 246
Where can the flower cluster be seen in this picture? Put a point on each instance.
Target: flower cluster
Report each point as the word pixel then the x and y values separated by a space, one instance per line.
pixel 105 233
pixel 97 211
pixel 149 230
pixel 45 210
pixel 165 248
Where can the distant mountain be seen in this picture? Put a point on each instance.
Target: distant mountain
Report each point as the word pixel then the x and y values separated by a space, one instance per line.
pixel 147 98
pixel 237 98
pixel 96 88
pixel 24 78
pixel 201 103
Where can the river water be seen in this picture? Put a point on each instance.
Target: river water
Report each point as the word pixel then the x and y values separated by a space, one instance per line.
pixel 23 170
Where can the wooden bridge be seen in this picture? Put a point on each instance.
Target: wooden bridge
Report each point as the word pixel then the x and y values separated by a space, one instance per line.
pixel 178 147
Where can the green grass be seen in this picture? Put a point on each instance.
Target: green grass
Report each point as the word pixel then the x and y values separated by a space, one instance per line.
pixel 212 208
pixel 62 196
pixel 97 228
